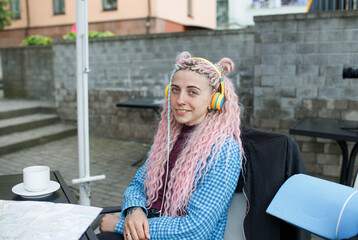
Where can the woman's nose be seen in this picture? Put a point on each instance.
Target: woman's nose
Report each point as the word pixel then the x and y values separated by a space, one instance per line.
pixel 181 98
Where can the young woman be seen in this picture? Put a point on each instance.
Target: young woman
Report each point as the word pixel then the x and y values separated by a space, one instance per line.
pixel 185 187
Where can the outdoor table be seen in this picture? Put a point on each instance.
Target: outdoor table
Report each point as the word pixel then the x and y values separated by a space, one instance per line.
pixel 62 195
pixel 336 129
pixel 149 102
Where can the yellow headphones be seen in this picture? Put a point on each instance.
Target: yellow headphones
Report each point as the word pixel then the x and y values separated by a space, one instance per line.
pixel 218 99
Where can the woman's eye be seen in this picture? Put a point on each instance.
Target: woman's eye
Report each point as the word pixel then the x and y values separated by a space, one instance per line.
pixel 175 90
pixel 193 93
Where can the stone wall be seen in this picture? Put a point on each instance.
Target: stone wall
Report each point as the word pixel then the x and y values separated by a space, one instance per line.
pixel 28 72
pixel 298 72
pixel 138 66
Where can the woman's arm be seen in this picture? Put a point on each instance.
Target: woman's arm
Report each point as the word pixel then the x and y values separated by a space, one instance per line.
pixel 136 221
pixel 207 205
pixel 134 195
pixel 133 212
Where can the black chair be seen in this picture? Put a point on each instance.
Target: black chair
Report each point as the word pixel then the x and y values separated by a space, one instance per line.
pixel 355 180
pixel 271 158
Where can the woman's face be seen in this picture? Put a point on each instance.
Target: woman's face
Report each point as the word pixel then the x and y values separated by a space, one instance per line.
pixel 190 97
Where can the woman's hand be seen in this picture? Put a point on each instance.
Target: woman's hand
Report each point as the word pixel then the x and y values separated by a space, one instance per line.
pixel 108 223
pixel 136 225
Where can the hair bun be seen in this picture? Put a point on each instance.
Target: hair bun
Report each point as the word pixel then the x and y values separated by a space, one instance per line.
pixel 227 64
pixel 183 55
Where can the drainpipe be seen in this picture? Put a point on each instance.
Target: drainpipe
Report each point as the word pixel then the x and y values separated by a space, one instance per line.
pixel 27 18
pixel 147 24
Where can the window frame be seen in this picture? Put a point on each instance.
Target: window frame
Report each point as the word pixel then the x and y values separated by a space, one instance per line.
pixel 60 2
pixel 222 5
pixel 190 8
pixel 113 4
pixel 15 8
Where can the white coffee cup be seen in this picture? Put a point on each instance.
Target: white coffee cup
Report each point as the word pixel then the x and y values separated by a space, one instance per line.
pixel 36 178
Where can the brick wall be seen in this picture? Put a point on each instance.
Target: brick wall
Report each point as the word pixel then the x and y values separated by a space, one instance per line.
pixel 298 73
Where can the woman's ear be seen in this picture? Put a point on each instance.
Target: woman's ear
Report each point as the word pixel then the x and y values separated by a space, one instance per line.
pixel 211 99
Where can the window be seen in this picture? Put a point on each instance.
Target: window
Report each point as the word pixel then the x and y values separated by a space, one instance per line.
pixel 58 7
pixel 294 2
pixel 109 4
pixel 222 15
pixel 15 9
pixel 190 8
pixel 278 3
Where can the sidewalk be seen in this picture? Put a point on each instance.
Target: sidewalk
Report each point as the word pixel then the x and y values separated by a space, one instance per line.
pixel 108 156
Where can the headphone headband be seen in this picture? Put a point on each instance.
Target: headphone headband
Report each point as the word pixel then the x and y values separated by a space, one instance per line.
pixel 218 98
pixel 216 69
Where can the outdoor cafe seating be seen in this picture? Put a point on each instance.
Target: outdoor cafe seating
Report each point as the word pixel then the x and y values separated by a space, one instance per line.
pixel 267 183
pixel 271 158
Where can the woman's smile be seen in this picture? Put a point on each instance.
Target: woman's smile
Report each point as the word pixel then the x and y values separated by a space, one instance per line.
pixel 182 111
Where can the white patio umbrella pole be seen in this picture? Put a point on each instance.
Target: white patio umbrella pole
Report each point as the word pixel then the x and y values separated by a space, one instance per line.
pixel 82 104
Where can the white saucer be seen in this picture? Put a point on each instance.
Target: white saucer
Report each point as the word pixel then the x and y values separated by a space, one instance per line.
pixel 20 190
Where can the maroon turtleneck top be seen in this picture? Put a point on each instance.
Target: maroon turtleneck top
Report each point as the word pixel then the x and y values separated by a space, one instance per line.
pixel 174 154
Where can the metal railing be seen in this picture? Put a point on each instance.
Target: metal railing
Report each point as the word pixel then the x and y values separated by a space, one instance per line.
pixel 331 5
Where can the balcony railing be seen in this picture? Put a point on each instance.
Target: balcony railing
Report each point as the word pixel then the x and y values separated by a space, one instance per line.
pixel 331 5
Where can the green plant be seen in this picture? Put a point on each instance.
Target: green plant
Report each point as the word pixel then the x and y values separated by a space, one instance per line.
pixel 91 34
pixel 107 34
pixel 69 36
pixel 36 40
pixel 5 14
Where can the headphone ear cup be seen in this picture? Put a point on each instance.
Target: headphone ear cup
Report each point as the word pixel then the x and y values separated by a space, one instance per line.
pixel 167 91
pixel 217 101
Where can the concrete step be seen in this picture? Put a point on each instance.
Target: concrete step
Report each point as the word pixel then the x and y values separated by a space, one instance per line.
pixel 25 139
pixel 17 112
pixel 23 123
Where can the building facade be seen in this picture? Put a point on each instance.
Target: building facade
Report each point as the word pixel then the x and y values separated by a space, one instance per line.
pixel 233 14
pixel 122 17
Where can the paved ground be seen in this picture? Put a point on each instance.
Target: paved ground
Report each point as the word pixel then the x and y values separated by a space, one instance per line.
pixel 108 156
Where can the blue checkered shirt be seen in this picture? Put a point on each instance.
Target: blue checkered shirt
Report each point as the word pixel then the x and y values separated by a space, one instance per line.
pixel 206 209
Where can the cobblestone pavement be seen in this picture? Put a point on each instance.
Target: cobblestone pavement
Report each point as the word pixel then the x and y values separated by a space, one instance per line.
pixel 108 156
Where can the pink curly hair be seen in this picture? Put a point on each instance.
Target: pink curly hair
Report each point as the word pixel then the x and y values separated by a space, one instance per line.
pixel 207 138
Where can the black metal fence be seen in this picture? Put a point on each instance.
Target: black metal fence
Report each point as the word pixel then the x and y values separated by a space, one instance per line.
pixel 331 5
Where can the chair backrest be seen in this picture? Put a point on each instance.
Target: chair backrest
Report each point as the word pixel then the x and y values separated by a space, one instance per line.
pixel 270 159
pixel 355 181
pixel 236 215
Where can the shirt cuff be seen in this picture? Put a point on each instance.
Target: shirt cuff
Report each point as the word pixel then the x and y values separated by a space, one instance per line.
pixel 119 226
pixel 128 204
